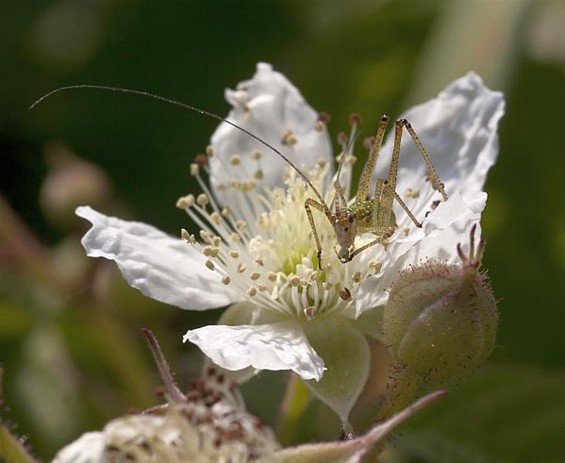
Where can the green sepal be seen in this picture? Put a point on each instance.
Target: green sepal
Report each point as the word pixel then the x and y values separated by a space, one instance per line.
pixel 347 360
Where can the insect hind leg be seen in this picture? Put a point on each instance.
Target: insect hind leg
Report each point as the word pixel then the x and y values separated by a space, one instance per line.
pixel 435 181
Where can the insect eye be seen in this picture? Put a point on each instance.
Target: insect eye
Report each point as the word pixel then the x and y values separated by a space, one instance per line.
pixel 350 217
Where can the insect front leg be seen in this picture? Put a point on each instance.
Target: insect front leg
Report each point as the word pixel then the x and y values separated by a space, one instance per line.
pixel 377 240
pixel 308 205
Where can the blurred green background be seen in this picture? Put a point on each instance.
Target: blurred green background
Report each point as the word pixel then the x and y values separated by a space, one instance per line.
pixel 70 350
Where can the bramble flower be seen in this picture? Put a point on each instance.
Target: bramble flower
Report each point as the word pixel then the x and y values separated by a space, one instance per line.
pixel 255 252
pixel 208 425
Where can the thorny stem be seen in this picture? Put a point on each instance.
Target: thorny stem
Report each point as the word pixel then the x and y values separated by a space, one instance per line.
pixel 294 403
pixel 174 393
pixel 393 421
pixel 401 389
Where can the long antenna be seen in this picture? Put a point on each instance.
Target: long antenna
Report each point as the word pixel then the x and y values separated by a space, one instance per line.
pixel 185 106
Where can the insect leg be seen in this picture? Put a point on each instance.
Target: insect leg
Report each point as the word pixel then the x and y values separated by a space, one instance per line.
pixel 308 205
pixel 406 209
pixel 437 184
pixel 369 168
pixel 377 240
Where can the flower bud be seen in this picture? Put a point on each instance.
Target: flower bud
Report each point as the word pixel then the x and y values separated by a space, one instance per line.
pixel 71 182
pixel 441 318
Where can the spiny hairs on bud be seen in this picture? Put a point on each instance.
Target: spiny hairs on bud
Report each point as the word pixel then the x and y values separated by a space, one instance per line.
pixel 441 319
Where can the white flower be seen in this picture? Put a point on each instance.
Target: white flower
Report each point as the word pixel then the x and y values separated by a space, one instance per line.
pixel 255 250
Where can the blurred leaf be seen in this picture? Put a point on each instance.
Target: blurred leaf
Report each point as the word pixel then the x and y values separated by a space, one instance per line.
pixel 16 320
pixel 505 414
pixel 11 449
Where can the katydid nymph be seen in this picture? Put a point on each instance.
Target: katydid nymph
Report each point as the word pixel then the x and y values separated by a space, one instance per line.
pixel 371 211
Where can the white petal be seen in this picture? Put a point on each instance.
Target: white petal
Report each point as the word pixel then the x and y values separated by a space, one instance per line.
pixel 449 225
pixel 160 266
pixel 268 105
pixel 88 448
pixel 274 346
pixel 459 130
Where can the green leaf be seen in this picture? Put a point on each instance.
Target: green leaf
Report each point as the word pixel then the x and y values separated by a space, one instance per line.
pixel 503 414
pixel 11 449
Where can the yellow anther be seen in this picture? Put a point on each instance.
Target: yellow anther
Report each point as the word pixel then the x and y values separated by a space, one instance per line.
pixel 233 253
pixel 262 287
pixel 210 151
pixel 310 312
pixel 226 280
pixel 194 169
pixel 375 265
pixel 272 276
pixel 235 237
pixel 217 241
pixel 356 278
pixel 202 200
pixel 235 160
pixel 350 159
pixel 289 138
pixel 189 238
pixel 258 174
pixel 255 275
pixel 184 202
pixel 241 268
pixel 256 154
pixel 252 291
pixel 412 193
pixel 206 236
pixel 240 225
pixel 248 185
pixel 210 251
pixel 295 280
pixel 210 265
pixel 215 217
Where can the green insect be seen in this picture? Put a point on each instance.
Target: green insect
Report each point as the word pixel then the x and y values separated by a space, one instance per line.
pixel 370 211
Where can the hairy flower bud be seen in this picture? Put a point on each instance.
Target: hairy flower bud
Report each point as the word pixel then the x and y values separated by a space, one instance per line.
pixel 441 318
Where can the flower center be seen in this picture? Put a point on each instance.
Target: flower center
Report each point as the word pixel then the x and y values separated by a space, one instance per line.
pixel 262 246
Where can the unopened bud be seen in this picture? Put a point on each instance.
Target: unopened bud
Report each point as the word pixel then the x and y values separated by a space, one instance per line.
pixel 71 182
pixel 441 319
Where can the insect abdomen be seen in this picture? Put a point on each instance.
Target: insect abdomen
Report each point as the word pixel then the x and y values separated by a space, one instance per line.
pixel 368 217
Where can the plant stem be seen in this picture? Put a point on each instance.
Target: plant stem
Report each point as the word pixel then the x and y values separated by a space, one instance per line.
pixel 295 400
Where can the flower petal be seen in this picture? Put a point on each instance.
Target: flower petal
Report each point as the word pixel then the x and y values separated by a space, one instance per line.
pixel 268 106
pixel 160 266
pixel 273 346
pixel 88 448
pixel 459 131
